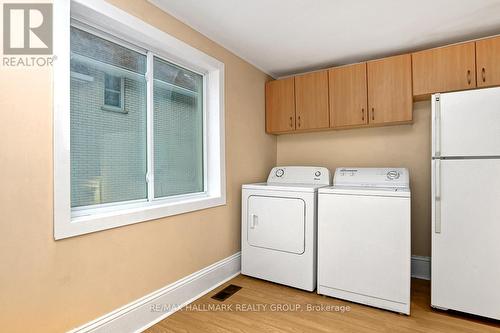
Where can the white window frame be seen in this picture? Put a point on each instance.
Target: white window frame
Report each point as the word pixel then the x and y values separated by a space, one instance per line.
pixel 120 24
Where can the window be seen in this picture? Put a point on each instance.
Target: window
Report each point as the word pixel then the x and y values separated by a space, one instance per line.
pixel 160 151
pixel 113 93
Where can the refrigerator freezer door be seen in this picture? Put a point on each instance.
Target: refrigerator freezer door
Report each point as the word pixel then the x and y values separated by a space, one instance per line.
pixel 466 253
pixel 466 123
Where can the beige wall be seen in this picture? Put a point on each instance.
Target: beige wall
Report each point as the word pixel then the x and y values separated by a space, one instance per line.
pixel 398 146
pixel 49 286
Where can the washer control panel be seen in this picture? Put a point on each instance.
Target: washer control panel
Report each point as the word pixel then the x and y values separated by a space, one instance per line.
pixel 372 177
pixel 299 175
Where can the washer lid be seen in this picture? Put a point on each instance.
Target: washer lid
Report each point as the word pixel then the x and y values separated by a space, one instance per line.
pixel 367 191
pixel 372 177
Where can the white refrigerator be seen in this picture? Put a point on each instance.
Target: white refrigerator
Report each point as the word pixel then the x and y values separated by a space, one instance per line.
pixel 466 202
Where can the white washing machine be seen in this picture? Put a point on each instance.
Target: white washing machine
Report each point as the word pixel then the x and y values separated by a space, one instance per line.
pixel 364 241
pixel 279 222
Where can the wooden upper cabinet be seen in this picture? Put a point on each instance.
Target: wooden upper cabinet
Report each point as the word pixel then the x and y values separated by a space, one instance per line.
pixel 488 62
pixel 390 97
pixel 379 92
pixel 348 96
pixel 280 105
pixel 311 101
pixel 444 69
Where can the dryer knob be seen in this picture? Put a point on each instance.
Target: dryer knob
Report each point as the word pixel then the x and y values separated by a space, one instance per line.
pixel 317 173
pixel 280 173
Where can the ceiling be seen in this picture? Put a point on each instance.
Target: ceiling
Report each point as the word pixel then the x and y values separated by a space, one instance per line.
pixel 283 37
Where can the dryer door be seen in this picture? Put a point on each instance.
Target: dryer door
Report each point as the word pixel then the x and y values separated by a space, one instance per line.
pixel 276 223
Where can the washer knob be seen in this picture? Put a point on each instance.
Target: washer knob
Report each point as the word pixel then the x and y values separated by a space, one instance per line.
pixel 317 173
pixel 393 174
pixel 280 173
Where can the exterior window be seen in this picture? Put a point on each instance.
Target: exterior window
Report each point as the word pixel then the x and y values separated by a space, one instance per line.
pixel 138 122
pixel 113 93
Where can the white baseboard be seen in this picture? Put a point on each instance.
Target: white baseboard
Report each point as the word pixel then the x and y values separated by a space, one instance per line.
pixel 138 315
pixel 421 267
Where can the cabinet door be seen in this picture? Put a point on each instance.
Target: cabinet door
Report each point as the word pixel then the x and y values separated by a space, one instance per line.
pixel 280 105
pixel 311 101
pixel 348 96
pixel 389 90
pixel 488 62
pixel 444 69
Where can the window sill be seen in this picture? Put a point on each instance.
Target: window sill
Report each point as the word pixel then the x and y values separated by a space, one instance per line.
pixel 123 215
pixel 113 109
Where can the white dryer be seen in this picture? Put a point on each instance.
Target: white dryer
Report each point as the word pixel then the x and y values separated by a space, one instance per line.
pixel 279 222
pixel 364 251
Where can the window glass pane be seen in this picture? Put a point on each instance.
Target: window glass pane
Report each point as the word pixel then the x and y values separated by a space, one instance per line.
pixel 112 98
pixel 108 149
pixel 178 130
pixel 180 77
pixel 113 82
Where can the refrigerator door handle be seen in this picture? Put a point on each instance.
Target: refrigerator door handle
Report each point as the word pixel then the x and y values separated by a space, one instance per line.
pixel 437 197
pixel 437 125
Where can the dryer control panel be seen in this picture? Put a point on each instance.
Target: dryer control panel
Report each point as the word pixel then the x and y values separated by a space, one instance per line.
pixel 299 175
pixel 372 177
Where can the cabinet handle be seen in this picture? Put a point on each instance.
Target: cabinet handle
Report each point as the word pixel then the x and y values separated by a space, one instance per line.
pixel 483 73
pixel 363 114
pixel 291 122
pixel 373 113
pixel 299 121
pixel 468 77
